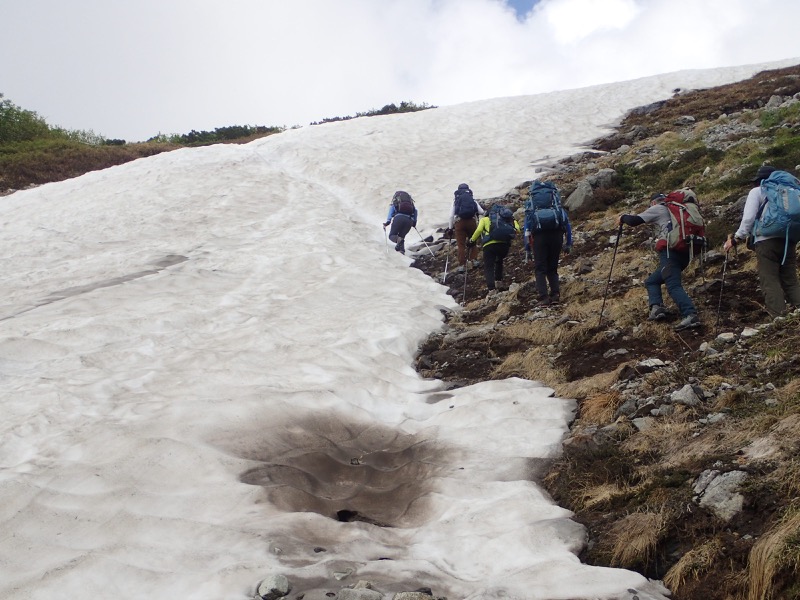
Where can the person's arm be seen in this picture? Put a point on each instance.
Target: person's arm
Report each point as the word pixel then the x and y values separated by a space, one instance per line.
pixel 452 219
pixel 568 231
pixel 632 220
pixel 414 217
pixel 482 225
pixel 481 212
pixel 749 214
pixel 390 216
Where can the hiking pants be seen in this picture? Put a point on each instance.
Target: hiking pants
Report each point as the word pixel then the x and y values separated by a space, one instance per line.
pixel 778 281
pixel 546 250
pixel 670 266
pixel 401 225
pixel 493 256
pixel 463 230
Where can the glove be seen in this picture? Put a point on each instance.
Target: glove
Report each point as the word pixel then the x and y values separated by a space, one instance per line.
pixel 413 224
pixel 448 233
pixel 385 225
pixel 567 249
pixel 471 243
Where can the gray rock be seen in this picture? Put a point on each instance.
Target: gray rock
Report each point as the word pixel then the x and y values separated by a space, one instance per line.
pixel 749 332
pixel 643 423
pixel 686 396
pixel 604 178
pixel 581 197
pixel 414 596
pixel 721 495
pixel 726 338
pixel 272 588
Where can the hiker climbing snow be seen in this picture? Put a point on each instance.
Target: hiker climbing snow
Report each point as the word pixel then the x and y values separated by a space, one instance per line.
pixel 402 217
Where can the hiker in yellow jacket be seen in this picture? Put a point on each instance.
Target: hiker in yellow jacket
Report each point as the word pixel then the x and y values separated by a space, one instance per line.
pixel 496 231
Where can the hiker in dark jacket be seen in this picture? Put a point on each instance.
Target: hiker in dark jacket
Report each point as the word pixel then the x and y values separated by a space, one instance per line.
pixel 464 215
pixel 777 275
pixel 403 217
pixel 547 247
pixel 671 264
pixel 494 251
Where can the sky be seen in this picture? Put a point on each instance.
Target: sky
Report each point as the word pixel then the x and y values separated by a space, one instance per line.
pixel 207 354
pixel 133 70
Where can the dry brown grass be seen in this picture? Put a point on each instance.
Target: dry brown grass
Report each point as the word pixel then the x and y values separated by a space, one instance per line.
pixel 669 435
pixel 776 551
pixel 597 496
pixel 636 537
pixel 533 364
pixel 599 408
pixel 693 564
pixel 583 388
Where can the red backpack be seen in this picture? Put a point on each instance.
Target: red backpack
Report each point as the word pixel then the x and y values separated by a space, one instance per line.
pixel 687 231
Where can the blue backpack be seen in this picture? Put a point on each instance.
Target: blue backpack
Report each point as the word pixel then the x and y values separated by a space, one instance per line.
pixel 464 203
pixel 543 210
pixel 779 214
pixel 501 224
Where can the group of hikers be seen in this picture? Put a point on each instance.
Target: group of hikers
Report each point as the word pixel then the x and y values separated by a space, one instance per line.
pixel 770 223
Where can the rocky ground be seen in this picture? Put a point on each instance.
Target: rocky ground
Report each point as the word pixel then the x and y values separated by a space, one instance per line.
pixel 683 459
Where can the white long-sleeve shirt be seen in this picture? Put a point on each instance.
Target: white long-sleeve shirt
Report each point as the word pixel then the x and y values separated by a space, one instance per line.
pixel 481 212
pixel 754 200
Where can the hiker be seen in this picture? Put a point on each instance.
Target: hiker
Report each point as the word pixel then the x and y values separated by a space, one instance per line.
pixel 496 230
pixel 671 260
pixel 463 221
pixel 776 255
pixel 402 217
pixel 546 223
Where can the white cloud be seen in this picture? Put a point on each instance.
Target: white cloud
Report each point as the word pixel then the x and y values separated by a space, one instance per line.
pixel 132 70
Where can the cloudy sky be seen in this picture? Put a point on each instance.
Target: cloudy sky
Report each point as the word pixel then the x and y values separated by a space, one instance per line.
pixel 135 69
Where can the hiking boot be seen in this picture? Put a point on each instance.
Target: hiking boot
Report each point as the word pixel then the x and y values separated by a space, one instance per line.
pixel 546 301
pixel 688 322
pixel 460 269
pixel 555 298
pixel 657 313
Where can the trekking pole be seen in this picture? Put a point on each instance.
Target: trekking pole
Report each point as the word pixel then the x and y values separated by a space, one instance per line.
pixel 721 289
pixel 447 260
pixel 424 242
pixel 613 258
pixel 464 296
pixel 386 237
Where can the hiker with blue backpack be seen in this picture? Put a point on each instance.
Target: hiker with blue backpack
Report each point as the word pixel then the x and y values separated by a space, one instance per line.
pixel 496 230
pixel 546 224
pixel 771 216
pixel 402 217
pixel 680 234
pixel 463 222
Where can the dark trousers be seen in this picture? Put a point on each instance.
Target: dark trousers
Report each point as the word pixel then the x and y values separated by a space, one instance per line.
pixel 778 281
pixel 401 225
pixel 463 230
pixel 546 250
pixel 493 256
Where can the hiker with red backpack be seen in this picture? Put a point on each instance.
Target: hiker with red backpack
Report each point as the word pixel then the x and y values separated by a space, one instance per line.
pixel 496 231
pixel 463 221
pixel 680 234
pixel 772 216
pixel 402 217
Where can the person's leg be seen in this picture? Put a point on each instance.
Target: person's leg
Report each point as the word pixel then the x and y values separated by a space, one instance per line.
pixel 788 275
pixel 488 265
pixel 554 242
pixel 500 253
pixel 676 262
pixel 769 254
pixel 401 225
pixel 540 257
pixel 462 236
pixel 653 283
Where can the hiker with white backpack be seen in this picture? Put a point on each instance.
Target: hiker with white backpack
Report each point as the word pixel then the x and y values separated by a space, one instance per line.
pixel 771 216
pixel 680 234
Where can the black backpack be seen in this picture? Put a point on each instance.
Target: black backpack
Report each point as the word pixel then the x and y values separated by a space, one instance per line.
pixel 502 228
pixel 464 203
pixel 403 203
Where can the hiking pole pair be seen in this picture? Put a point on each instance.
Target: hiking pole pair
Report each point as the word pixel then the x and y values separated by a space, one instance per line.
pixel 424 242
pixel 613 259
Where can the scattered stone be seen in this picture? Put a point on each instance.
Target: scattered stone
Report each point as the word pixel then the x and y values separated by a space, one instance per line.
pixel 272 588
pixel 720 493
pixel 726 338
pixel 749 332
pixel 360 594
pixel 686 396
pixel 643 423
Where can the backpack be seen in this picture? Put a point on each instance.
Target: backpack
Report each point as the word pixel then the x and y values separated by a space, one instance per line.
pixel 403 203
pixel 501 224
pixel 543 207
pixel 686 231
pixel 779 214
pixel 464 203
